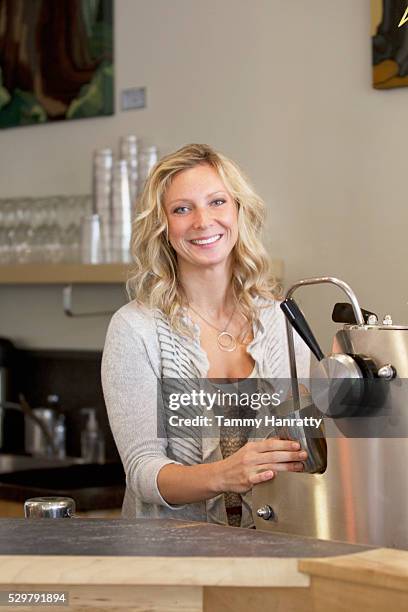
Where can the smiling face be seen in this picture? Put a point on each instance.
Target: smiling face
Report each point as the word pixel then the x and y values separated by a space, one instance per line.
pixel 202 217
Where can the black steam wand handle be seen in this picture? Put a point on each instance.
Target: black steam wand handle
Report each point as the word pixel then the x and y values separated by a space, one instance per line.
pixel 344 313
pixel 297 320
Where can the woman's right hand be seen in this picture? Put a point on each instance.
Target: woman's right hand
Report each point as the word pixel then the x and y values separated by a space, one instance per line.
pixel 257 462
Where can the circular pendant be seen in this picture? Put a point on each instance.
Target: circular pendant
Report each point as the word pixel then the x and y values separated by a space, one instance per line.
pixel 226 341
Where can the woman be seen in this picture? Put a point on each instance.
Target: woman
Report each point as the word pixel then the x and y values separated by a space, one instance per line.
pixel 203 307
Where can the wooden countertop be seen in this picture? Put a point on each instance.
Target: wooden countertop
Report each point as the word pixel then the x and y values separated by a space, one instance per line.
pixel 145 551
pixel 379 568
pixel 171 565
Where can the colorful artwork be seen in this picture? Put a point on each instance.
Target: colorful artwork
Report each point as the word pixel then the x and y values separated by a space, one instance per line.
pixel 389 31
pixel 56 60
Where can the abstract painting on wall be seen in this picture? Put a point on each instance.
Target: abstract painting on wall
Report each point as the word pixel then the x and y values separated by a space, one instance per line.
pixel 389 32
pixel 56 60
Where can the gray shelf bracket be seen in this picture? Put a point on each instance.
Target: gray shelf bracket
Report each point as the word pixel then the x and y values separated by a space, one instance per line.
pixel 67 305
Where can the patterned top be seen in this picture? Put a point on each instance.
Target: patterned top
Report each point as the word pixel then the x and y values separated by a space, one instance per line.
pixel 232 438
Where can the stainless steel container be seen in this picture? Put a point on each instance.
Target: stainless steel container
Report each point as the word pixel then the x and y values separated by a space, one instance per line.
pixel 49 507
pixel 313 442
pixel 36 443
pixel 362 496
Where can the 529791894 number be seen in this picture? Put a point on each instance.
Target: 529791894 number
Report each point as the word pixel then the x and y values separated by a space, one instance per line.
pixel 40 598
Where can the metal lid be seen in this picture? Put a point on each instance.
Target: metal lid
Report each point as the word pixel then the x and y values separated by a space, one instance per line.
pixel 49 507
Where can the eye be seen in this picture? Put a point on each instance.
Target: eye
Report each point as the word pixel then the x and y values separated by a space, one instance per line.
pixel 218 202
pixel 181 210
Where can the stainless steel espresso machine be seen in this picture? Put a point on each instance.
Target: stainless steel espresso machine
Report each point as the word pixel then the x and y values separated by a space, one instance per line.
pixel 360 494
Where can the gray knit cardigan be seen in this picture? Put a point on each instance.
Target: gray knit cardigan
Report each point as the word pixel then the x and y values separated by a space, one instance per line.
pixel 140 350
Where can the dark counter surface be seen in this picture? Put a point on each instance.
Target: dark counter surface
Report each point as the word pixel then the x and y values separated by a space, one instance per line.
pixel 86 499
pixel 155 537
pixel 92 486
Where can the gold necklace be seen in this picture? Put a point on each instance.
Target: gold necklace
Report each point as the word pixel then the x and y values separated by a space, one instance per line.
pixel 225 340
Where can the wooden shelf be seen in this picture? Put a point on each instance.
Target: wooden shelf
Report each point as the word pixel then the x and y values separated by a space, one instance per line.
pixel 63 274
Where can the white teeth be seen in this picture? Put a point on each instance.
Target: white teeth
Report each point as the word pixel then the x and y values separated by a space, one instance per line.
pixel 207 240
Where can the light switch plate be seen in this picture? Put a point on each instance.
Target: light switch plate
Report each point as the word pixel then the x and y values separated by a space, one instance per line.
pixel 133 98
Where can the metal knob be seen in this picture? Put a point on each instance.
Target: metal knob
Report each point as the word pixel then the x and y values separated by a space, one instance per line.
pixel 372 319
pixel 387 372
pixel 49 507
pixel 266 513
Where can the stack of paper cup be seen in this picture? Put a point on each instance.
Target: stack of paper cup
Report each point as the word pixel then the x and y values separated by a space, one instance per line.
pixel 91 240
pixel 102 197
pixel 146 160
pixel 129 151
pixel 121 213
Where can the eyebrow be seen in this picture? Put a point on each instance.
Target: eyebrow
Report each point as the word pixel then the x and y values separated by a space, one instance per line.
pixel 209 195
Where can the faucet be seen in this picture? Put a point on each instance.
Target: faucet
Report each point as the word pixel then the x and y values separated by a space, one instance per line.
pixel 25 408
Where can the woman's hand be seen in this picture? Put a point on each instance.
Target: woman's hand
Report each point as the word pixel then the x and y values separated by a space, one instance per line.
pixel 257 462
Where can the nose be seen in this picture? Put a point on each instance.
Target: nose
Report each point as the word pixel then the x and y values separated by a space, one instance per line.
pixel 202 218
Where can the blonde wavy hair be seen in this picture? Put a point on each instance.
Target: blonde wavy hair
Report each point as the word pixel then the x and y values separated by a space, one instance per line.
pixel 154 280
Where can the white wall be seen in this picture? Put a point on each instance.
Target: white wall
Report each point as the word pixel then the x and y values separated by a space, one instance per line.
pixel 282 86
